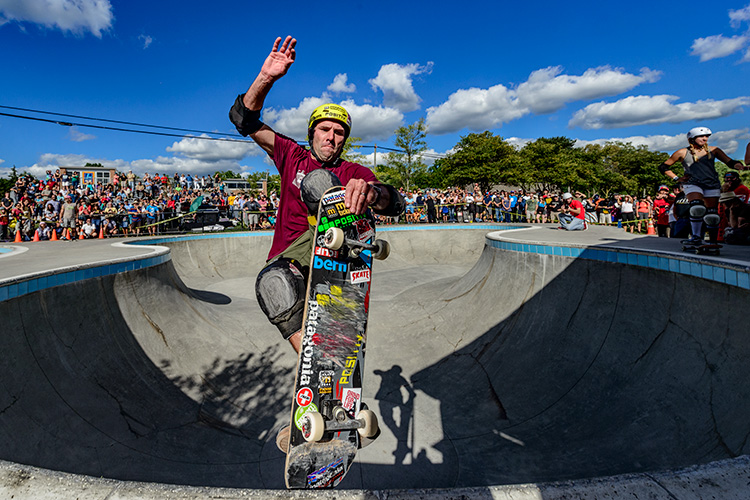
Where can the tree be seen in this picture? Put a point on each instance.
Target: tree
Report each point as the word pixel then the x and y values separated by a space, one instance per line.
pixel 478 158
pixel 350 150
pixel 7 184
pixel 400 169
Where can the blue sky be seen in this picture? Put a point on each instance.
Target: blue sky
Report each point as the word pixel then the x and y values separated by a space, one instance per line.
pixel 644 72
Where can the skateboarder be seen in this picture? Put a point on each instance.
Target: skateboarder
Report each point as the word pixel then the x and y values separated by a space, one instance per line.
pixel 700 182
pixel 281 285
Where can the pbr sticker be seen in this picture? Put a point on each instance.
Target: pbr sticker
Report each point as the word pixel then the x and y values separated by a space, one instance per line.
pixel 362 276
pixel 325 381
pixel 299 415
pixel 304 396
pixel 327 476
pixel 350 400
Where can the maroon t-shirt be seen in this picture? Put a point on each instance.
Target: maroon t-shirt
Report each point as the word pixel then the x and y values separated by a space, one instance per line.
pixel 294 162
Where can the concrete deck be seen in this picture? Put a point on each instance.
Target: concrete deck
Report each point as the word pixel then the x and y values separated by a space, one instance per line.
pixel 521 363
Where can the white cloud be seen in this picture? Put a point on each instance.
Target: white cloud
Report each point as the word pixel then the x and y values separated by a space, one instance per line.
pixel 717 46
pixel 214 151
pixel 340 85
pixel 395 81
pixel 545 91
pixel 147 40
pixel 74 16
pixel 649 110
pixel 368 122
pixel 78 136
pixel 727 140
pixel 737 17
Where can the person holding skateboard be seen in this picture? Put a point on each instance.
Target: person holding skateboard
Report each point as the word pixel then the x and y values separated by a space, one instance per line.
pixel 280 286
pixel 700 182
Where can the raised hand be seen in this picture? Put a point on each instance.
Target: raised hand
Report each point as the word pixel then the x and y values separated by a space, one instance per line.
pixel 280 59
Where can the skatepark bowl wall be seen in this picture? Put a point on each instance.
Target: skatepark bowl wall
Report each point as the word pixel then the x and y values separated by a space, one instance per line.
pixel 499 367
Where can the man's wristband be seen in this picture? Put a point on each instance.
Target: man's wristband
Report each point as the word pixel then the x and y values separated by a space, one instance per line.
pixel 379 191
pixel 247 121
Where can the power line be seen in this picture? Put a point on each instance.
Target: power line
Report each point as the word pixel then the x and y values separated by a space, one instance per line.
pixel 227 137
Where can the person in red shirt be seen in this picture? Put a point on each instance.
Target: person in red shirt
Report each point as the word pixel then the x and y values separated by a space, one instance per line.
pixel 280 286
pixel 572 214
pixel 662 203
pixel 732 183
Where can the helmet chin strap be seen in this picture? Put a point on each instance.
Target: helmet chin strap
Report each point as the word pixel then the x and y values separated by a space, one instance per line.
pixel 325 164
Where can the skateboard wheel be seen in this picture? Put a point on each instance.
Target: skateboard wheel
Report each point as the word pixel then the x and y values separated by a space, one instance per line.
pixel 334 238
pixel 313 427
pixel 371 423
pixel 382 250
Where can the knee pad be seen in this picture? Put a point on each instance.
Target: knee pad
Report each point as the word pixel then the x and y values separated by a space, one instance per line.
pixel 697 209
pixel 280 290
pixel 313 186
pixel 712 218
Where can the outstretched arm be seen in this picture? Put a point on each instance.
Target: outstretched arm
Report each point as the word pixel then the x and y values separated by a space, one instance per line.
pixel 274 67
pixel 721 155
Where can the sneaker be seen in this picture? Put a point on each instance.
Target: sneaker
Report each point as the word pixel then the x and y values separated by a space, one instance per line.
pixel 282 439
pixel 693 240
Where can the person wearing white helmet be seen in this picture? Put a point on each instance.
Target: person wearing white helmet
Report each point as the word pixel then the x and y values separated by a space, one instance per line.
pixel 281 284
pixel 572 214
pixel 700 182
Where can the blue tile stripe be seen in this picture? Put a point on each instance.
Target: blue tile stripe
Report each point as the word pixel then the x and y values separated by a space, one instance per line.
pixel 739 277
pixel 719 272
pixel 53 279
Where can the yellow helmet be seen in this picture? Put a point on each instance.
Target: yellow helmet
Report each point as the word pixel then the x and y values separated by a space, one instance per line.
pixel 330 112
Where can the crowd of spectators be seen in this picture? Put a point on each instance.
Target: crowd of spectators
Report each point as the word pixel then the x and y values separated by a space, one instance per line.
pixel 157 204
pixel 127 206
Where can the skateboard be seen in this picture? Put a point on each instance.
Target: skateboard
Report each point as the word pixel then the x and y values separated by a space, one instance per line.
pixel 702 249
pixel 328 418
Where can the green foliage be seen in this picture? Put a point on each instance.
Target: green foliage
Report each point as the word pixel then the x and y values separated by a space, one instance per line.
pixel 228 174
pixel 350 149
pixel 6 184
pixel 482 158
pixel 274 181
pixel 401 169
pixel 552 163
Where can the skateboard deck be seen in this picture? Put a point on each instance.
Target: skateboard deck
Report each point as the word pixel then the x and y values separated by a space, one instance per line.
pixel 328 384
pixel 702 249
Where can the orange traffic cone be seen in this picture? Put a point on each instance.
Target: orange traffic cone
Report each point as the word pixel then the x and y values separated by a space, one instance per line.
pixel 18 236
pixel 54 235
pixel 101 233
pixel 36 235
pixel 80 235
pixel 66 234
pixel 650 227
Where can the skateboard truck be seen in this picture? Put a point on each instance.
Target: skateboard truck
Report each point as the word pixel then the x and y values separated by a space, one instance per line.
pixel 335 418
pixel 335 239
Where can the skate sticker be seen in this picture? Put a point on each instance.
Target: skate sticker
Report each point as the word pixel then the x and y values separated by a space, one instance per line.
pixel 333 197
pixel 304 396
pixel 326 252
pixel 325 381
pixel 351 399
pixel 326 477
pixel 361 276
pixel 364 230
pixel 299 415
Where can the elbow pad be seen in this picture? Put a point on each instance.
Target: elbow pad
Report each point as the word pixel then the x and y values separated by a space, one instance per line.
pixel 664 167
pixel 247 122
pixel 396 204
